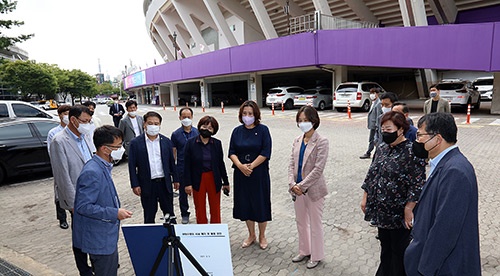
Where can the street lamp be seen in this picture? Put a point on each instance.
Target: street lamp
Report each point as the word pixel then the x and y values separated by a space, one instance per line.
pixel 175 44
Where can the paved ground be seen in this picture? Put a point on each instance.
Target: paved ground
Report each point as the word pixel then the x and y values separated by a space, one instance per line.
pixel 31 238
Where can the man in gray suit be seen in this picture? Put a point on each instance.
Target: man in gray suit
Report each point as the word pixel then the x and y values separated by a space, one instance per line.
pixel 436 103
pixel 131 125
pixel 373 115
pixel 69 151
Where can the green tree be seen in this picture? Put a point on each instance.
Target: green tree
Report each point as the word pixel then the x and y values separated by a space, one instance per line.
pixel 107 89
pixel 81 85
pixel 29 78
pixel 7 6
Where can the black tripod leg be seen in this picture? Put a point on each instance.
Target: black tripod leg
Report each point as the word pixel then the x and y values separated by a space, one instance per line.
pixel 190 257
pixel 159 257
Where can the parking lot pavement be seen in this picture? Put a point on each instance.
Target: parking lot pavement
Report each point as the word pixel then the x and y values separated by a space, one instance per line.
pixel 31 238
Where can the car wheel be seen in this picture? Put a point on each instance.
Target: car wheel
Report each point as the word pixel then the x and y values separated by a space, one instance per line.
pixel 366 106
pixel 2 175
pixel 321 105
pixel 478 104
pixel 289 104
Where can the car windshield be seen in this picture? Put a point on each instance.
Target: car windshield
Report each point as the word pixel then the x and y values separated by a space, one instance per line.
pixel 450 86
pixel 274 91
pixel 348 88
pixel 310 92
pixel 484 82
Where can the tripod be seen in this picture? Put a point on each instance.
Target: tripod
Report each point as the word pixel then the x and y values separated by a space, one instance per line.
pixel 173 243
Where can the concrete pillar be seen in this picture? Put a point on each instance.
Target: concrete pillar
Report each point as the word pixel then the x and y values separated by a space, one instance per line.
pixel 174 95
pixel 255 88
pixel 165 95
pixel 339 75
pixel 495 102
pixel 204 93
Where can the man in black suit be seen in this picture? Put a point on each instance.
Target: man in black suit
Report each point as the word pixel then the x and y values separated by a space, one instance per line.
pixel 116 110
pixel 152 169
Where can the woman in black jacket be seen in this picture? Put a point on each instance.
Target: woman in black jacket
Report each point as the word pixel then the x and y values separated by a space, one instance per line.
pixel 205 171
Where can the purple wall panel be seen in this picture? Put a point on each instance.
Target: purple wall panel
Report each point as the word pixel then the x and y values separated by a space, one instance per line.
pixel 464 47
pixel 283 52
pixel 209 64
pixel 495 55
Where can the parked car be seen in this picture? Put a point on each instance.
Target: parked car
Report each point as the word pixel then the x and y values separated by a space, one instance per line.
pixel 14 109
pixel 283 95
pixel 320 98
pixel 23 146
pixel 357 93
pixel 459 93
pixel 485 87
pixel 103 100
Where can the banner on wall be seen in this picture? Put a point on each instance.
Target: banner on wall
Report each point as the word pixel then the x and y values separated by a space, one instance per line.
pixel 136 79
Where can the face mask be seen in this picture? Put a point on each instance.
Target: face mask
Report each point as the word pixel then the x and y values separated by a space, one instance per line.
pixel 186 122
pixel 433 94
pixel 116 155
pixel 390 137
pixel 132 114
pixel 91 113
pixel 205 133
pixel 372 97
pixel 85 128
pixel 65 119
pixel 419 149
pixel 386 109
pixel 152 130
pixel 305 126
pixel 247 120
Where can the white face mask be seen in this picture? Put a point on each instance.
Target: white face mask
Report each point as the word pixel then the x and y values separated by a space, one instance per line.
pixel 305 126
pixel 152 130
pixel 65 119
pixel 116 155
pixel 132 114
pixel 86 128
pixel 373 97
pixel 186 122
pixel 386 109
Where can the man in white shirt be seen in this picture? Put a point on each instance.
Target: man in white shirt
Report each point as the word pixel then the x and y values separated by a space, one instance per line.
pixel 131 125
pixel 152 171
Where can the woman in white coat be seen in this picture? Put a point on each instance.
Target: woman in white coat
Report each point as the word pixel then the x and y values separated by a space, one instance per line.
pixel 308 185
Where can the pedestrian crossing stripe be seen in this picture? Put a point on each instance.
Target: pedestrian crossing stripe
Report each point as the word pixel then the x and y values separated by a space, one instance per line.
pixel 495 123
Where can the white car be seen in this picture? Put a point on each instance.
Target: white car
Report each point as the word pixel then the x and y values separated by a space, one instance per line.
pixel 460 93
pixel 357 94
pixel 282 95
pixel 103 100
pixel 319 98
pixel 485 87
pixel 14 109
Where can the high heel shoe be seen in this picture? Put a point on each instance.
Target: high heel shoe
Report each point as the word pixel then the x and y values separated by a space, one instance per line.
pixel 263 244
pixel 247 243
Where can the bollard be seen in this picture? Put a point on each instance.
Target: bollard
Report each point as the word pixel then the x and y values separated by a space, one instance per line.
pixel 349 109
pixel 175 108
pixel 468 114
pixel 203 107
pixel 163 106
pixel 222 106
pixel 272 108
pixel 282 107
pixel 187 104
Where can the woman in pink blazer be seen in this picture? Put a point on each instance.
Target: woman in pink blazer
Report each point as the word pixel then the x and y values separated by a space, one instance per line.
pixel 308 186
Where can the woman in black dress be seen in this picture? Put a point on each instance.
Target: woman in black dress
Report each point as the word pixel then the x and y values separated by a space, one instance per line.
pixel 250 151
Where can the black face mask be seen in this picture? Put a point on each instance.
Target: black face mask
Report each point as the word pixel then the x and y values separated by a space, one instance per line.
pixel 91 113
pixel 205 133
pixel 419 150
pixel 390 137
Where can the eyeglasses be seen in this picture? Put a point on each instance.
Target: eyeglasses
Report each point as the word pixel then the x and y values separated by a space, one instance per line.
pixel 84 122
pixel 114 147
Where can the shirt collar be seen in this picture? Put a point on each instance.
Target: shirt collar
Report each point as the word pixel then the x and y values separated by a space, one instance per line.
pixel 435 161
pixel 107 165
pixel 154 140
pixel 78 139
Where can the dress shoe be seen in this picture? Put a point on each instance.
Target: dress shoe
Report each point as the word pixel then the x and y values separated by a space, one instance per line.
pixel 312 264
pixel 185 220
pixel 299 258
pixel 263 244
pixel 365 156
pixel 63 224
pixel 247 243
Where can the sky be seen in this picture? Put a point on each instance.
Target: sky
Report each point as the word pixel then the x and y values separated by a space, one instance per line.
pixel 76 34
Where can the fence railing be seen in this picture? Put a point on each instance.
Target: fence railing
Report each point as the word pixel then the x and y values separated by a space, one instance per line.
pixel 318 21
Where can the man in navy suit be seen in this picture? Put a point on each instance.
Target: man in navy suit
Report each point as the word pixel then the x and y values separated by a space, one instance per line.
pixel 445 231
pixel 97 212
pixel 116 110
pixel 152 169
